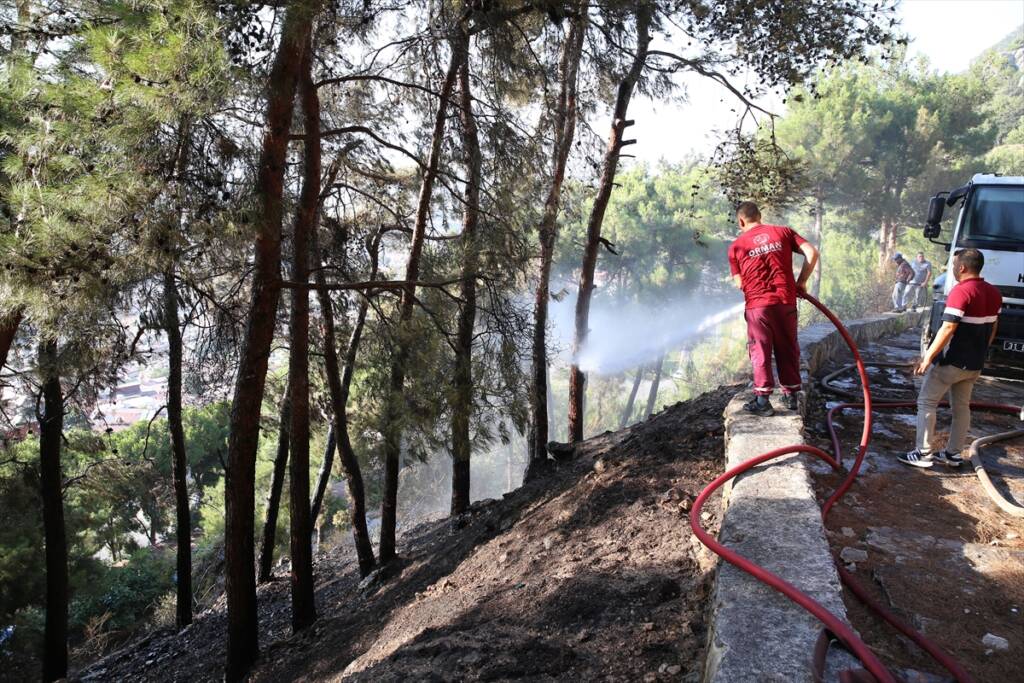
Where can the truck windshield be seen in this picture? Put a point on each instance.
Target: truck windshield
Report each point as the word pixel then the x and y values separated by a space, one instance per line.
pixel 994 215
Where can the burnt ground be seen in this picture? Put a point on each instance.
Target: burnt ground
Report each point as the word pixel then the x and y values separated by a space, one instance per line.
pixel 939 552
pixel 589 574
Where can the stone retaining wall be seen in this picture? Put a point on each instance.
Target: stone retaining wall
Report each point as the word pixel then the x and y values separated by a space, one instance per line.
pixel 773 519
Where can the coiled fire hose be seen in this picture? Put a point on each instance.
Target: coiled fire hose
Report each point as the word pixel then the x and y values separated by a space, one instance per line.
pixel 833 625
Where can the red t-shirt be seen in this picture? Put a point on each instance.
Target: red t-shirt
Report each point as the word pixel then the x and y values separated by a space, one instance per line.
pixel 763 258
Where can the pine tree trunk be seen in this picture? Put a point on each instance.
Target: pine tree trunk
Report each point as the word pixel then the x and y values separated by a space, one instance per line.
pixel 565 131
pixel 19 39
pixel 270 515
pixel 303 601
pixel 891 238
pixel 8 330
pixel 509 454
pixel 323 477
pixel 240 478
pixel 175 426
pixel 176 431
pixel 894 220
pixel 628 411
pixel 652 395
pixel 55 634
pixel 883 244
pixel 393 428
pixel 338 384
pixel 10 321
pixel 819 233
pixel 577 380
pixel 550 395
pixel 462 407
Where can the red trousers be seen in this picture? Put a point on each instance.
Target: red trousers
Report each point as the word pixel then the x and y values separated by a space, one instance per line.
pixel 773 329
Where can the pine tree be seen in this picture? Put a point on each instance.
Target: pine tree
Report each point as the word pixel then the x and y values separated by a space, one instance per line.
pixel 564 129
pixel 239 490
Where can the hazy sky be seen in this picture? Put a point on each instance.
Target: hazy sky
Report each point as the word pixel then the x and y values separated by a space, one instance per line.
pixel 950 33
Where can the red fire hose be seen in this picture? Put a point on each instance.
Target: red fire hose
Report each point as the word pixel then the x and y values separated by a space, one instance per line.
pixel 833 624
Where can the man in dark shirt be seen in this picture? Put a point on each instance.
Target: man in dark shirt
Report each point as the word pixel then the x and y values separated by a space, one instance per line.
pixel 904 274
pixel 954 360
pixel 761 261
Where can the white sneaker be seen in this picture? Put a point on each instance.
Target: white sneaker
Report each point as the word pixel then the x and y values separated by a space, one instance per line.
pixel 951 459
pixel 916 458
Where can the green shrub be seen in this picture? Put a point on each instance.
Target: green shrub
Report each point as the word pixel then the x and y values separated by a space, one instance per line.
pixel 129 592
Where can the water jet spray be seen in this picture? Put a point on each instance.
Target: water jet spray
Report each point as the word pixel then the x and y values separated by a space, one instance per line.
pixel 624 336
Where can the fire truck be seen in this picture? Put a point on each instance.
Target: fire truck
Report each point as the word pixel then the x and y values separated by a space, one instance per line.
pixel 991 219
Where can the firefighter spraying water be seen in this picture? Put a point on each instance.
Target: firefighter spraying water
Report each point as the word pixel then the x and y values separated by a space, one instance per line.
pixel 761 261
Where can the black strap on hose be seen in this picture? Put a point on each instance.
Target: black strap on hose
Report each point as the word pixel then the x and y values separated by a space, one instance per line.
pixel 826 639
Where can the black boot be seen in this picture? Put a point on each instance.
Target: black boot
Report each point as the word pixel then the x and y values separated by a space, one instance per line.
pixel 760 405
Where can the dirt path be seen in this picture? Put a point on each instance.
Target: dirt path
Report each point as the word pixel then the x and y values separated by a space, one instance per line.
pixel 937 550
pixel 591 574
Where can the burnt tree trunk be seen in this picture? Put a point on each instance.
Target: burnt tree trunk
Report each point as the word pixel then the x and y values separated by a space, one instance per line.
pixel 393 422
pixel 577 380
pixel 240 478
pixel 339 383
pixel 628 412
pixel 176 431
pixel 274 494
pixel 51 489
pixel 323 476
pixel 564 131
pixel 462 407
pixel 303 602
pixel 652 394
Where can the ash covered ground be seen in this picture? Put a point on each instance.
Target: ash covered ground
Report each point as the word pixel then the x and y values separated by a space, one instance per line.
pixel 591 573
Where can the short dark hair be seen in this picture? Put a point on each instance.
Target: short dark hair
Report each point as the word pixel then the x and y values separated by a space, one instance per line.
pixel 971 259
pixel 748 211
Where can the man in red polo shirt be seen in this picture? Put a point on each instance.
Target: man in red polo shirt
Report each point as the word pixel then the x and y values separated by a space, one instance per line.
pixel 953 361
pixel 761 259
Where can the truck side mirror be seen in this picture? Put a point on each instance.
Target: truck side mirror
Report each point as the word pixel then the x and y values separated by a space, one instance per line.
pixel 933 225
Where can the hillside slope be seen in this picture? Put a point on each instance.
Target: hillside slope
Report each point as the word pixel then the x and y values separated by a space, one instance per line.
pixel 591 573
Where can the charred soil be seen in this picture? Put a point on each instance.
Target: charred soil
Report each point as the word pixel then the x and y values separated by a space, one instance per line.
pixel 588 573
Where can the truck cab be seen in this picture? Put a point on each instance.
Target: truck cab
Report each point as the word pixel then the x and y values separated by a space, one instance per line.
pixel 991 219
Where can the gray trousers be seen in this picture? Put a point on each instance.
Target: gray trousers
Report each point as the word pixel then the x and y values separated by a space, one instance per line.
pixel 897 294
pixel 939 380
pixel 912 296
